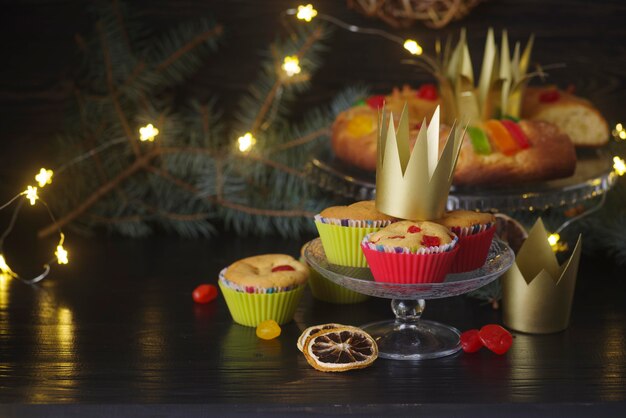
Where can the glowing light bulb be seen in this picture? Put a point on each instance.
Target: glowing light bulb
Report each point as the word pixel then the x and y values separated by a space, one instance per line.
pixel 619 166
pixel 291 65
pixel 306 13
pixel 4 267
pixel 44 177
pixel 553 240
pixel 31 194
pixel 61 253
pixel 413 47
pixel 246 142
pixel 147 133
pixel 619 133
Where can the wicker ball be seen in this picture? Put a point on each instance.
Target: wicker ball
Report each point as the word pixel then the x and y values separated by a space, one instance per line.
pixel 402 13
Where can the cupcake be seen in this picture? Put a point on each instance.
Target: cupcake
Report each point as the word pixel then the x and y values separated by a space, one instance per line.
pixel 342 228
pixel 327 291
pixel 475 231
pixel 410 252
pixel 263 287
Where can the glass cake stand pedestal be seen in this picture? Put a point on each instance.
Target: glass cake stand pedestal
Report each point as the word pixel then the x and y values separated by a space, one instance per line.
pixel 408 337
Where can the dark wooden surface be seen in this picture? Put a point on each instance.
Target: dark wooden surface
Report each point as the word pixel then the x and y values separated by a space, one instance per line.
pixel 116 332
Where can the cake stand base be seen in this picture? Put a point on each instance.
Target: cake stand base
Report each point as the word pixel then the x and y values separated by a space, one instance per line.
pixel 419 341
pixel 410 338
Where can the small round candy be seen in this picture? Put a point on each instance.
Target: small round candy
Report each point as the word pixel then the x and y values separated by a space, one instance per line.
pixel 268 330
pixel 204 293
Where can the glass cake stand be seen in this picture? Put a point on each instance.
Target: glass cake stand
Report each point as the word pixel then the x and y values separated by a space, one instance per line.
pixel 408 337
pixel 593 177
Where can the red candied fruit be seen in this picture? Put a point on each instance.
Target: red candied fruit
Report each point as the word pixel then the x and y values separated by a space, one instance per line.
pixel 427 92
pixel 204 293
pixel 496 338
pixel 414 229
pixel 375 102
pixel 430 241
pixel 470 341
pixel 549 96
pixel 283 268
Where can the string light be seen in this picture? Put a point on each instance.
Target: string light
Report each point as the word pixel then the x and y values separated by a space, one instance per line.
pixel 291 65
pixel 306 13
pixel 413 47
pixel 148 133
pixel 246 142
pixel 44 177
pixel 553 240
pixel 61 253
pixel 619 132
pixel 619 166
pixel 4 267
pixel 31 194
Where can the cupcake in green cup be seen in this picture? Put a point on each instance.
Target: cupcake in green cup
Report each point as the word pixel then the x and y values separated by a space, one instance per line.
pixel 342 229
pixel 327 291
pixel 263 287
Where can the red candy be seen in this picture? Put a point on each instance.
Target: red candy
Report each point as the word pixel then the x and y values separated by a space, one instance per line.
pixel 376 102
pixel 204 293
pixel 549 96
pixel 496 338
pixel 414 229
pixel 427 92
pixel 470 341
pixel 283 268
pixel 430 241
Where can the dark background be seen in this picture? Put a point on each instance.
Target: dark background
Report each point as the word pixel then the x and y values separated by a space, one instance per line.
pixel 39 53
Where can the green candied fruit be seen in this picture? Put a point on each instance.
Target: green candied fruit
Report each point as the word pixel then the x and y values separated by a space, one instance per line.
pixel 361 103
pixel 511 117
pixel 479 139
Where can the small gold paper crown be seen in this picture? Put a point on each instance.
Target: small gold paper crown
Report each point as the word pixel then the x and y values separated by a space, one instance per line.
pixel 500 86
pixel 414 185
pixel 537 292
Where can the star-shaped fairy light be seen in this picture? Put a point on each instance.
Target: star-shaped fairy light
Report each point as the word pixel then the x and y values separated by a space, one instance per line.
pixel 246 142
pixel 306 13
pixel 44 177
pixel 413 47
pixel 4 267
pixel 61 253
pixel 31 194
pixel 148 133
pixel 291 65
pixel 619 166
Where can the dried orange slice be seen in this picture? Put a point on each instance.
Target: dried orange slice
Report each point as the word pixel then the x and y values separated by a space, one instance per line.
pixel 340 349
pixel 314 330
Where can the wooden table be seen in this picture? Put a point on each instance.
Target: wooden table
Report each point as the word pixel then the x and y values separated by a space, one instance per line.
pixel 118 326
pixel 116 332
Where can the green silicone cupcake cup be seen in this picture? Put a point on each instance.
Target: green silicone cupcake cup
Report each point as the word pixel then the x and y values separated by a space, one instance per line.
pixel 250 309
pixel 342 244
pixel 327 291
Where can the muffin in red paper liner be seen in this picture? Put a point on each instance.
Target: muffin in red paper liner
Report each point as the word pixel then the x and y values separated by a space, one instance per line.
pixel 475 231
pixel 410 252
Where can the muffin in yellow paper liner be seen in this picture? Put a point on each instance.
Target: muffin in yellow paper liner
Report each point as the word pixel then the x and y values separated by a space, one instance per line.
pixel 263 287
pixel 250 309
pixel 342 228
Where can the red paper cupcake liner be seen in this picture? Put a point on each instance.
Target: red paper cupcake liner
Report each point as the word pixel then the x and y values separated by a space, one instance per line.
pixel 473 251
pixel 409 268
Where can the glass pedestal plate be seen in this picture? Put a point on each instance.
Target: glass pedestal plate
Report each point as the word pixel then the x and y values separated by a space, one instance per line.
pixel 407 337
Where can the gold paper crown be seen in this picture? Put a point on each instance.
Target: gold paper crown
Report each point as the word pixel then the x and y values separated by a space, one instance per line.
pixel 414 185
pixel 537 292
pixel 500 86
